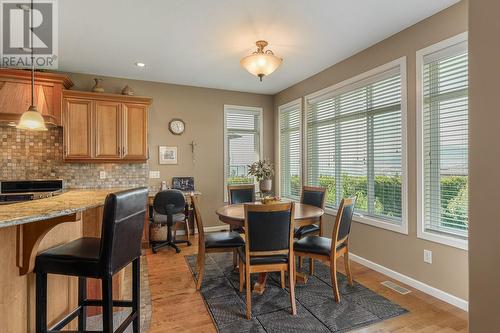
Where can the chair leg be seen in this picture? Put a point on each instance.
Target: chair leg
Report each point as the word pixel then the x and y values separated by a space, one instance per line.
pixel 291 281
pixel 41 302
pixel 186 230
pixel 201 270
pixel 107 305
pixel 300 262
pixel 249 292
pixel 82 296
pixel 311 266
pixel 242 275
pixel 282 279
pixel 136 294
pixel 347 265
pixel 335 286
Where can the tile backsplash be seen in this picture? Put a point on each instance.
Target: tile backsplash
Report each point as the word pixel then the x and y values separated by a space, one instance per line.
pixel 38 155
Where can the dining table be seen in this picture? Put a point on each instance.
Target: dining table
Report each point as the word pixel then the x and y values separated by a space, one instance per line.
pixel 234 215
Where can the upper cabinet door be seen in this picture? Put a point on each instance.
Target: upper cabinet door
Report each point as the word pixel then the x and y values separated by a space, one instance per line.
pixel 77 122
pixel 134 135
pixel 108 130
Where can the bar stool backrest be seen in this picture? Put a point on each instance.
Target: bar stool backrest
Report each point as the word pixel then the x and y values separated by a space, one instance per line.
pixel 122 226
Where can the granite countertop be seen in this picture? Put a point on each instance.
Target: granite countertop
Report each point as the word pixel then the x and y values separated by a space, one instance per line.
pixel 69 202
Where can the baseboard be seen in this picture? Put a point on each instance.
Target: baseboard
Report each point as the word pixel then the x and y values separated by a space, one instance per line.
pixel 434 292
pixel 207 229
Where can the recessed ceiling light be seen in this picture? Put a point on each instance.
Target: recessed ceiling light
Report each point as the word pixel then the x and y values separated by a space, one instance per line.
pixel 140 64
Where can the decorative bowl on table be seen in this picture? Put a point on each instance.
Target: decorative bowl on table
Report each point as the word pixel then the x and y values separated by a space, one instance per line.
pixel 270 200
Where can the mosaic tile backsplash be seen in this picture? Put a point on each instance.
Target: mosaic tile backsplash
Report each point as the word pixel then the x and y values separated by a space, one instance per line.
pixel 39 155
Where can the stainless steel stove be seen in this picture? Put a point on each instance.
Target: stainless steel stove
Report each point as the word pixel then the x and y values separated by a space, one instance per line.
pixel 12 191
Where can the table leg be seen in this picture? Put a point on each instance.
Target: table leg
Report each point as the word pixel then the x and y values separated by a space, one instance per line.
pixel 260 285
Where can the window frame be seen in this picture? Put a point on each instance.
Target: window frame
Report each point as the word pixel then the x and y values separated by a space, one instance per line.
pixel 250 109
pixel 346 85
pixel 422 233
pixel 301 146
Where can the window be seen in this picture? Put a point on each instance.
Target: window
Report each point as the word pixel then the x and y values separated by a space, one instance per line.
pixel 443 142
pixel 289 149
pixel 356 144
pixel 242 143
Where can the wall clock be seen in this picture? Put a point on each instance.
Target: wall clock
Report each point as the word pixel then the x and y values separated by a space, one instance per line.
pixel 177 126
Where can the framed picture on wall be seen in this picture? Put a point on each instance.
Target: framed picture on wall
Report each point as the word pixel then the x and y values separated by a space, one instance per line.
pixel 167 155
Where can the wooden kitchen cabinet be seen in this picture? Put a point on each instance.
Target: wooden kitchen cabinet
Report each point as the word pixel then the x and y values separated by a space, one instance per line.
pixel 135 131
pixel 117 128
pixel 77 127
pixel 108 130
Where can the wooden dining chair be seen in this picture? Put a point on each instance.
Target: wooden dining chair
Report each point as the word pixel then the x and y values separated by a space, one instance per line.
pixel 212 242
pixel 268 246
pixel 242 193
pixel 314 196
pixel 329 249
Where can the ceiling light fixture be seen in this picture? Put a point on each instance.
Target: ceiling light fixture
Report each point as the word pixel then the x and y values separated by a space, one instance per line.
pixel 140 64
pixel 261 63
pixel 32 119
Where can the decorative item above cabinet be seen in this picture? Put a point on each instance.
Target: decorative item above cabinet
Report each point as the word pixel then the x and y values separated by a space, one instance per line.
pixel 100 127
pixel 15 94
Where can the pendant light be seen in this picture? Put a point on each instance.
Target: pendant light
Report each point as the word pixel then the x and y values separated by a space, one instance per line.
pixel 261 63
pixel 32 119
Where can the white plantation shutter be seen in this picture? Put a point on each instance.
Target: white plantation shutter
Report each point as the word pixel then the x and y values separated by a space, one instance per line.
pixel 354 144
pixel 290 149
pixel 242 142
pixel 445 141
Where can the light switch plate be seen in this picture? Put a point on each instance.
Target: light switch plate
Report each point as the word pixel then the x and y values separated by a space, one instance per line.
pixel 102 174
pixel 154 174
pixel 428 256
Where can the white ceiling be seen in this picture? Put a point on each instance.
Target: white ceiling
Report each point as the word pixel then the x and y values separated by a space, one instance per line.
pixel 200 42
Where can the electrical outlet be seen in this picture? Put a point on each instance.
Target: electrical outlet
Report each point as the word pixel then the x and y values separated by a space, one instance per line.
pixel 154 174
pixel 102 174
pixel 428 256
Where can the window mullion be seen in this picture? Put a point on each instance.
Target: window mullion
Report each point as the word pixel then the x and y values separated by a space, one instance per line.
pixel 338 156
pixel 370 152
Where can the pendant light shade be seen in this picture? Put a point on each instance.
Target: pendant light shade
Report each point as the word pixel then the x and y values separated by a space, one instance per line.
pixel 261 62
pixel 32 119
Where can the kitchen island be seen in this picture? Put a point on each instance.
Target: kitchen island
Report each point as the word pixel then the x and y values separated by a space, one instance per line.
pixel 29 227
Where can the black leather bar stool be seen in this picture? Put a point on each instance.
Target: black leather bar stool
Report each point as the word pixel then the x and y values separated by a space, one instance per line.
pixel 101 258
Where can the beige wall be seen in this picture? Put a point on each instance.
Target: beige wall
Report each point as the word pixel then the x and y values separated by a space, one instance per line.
pixel 402 253
pixel 484 159
pixel 202 110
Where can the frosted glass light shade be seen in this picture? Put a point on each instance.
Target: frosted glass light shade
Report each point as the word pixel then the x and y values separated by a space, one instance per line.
pixel 32 120
pixel 261 64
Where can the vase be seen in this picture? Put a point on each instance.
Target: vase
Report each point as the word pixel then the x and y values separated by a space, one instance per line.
pixel 265 185
pixel 127 91
pixel 97 87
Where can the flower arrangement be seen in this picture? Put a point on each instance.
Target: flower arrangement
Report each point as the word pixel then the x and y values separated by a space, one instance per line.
pixel 261 170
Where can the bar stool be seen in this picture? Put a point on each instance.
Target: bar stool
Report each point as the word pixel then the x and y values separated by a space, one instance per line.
pixel 101 258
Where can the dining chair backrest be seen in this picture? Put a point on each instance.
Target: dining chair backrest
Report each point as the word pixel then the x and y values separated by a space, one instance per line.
pixel 342 227
pixel 122 226
pixel 241 193
pixel 199 222
pixel 269 228
pixel 314 196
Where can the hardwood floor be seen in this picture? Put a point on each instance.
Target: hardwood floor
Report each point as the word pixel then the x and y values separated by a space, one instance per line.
pixel 177 307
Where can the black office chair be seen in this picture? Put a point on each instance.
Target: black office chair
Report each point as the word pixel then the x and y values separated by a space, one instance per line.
pixel 172 204
pixel 100 258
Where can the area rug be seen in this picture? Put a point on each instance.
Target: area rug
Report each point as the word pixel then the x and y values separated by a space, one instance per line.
pixel 316 308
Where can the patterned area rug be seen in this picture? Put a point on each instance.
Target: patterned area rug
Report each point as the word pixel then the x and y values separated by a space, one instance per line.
pixel 316 308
